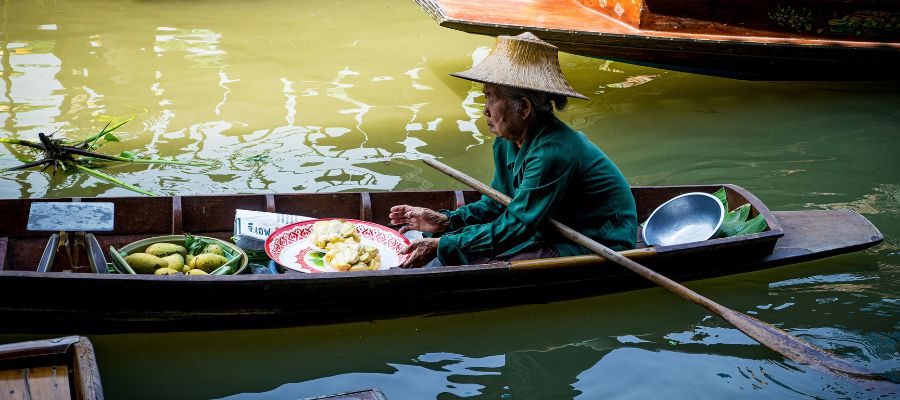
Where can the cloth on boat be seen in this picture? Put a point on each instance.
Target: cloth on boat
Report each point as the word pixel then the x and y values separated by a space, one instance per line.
pixel 557 173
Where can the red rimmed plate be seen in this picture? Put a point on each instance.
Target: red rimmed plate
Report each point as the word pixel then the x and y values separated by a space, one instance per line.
pixel 290 245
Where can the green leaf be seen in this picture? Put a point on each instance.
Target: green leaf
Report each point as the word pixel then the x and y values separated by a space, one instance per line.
pixel 127 154
pixel 734 220
pixel 720 194
pixel 109 137
pixel 755 225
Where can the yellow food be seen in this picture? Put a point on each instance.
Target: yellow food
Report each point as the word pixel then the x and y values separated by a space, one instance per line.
pixel 196 272
pixel 214 249
pixel 176 261
pixel 326 234
pixel 165 249
pixel 351 256
pixel 186 269
pixel 207 262
pixel 144 263
pixel 166 271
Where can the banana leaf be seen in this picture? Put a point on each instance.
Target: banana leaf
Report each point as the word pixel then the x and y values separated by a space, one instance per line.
pixel 720 194
pixel 755 225
pixel 734 221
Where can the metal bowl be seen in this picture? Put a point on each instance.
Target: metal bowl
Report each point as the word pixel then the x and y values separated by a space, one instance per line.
pixel 691 217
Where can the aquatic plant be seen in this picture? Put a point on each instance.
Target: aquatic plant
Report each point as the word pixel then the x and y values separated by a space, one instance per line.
pixel 65 155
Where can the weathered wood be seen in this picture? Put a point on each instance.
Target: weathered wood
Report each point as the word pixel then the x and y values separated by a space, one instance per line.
pixel 63 368
pixel 4 242
pixel 769 336
pixel 86 372
pixel 13 385
pixel 718 38
pixel 177 219
pixel 50 383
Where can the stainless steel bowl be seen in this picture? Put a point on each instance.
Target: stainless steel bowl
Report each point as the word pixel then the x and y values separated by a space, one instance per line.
pixel 691 217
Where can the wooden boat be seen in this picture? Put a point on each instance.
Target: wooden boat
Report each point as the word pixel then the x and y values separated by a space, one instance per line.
pixel 764 39
pixel 92 302
pixel 54 369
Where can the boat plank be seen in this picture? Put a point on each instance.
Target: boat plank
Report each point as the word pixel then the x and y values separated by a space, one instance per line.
pixel 50 383
pixel 12 384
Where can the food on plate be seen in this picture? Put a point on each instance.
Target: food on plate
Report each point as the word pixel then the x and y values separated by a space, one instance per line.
pixel 352 256
pixel 325 234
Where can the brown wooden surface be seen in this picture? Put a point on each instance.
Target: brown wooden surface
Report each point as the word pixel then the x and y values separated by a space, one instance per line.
pixel 13 385
pixel 43 369
pixel 50 383
pixel 4 242
pixel 680 43
pixel 86 372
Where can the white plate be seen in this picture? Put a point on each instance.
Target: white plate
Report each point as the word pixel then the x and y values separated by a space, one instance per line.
pixel 290 245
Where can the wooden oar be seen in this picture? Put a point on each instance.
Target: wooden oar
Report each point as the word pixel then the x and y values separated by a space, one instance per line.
pixel 776 339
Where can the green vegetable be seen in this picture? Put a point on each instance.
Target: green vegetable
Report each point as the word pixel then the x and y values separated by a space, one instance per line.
pixel 195 245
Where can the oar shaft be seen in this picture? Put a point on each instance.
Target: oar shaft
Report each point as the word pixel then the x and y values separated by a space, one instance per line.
pixel 775 339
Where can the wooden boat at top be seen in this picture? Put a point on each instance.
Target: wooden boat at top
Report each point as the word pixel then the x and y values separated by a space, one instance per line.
pixel 53 369
pixel 762 39
pixel 55 301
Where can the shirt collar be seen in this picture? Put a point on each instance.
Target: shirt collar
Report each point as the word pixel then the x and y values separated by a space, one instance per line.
pixel 523 151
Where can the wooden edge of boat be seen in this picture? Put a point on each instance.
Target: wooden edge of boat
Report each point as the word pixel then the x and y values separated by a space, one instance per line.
pixel 33 367
pixel 564 20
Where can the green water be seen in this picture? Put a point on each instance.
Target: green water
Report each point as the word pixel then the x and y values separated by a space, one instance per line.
pixel 318 96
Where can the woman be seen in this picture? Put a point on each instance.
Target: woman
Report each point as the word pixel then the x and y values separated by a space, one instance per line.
pixel 548 169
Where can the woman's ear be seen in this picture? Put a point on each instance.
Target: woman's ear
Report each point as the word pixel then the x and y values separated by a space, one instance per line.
pixel 527 109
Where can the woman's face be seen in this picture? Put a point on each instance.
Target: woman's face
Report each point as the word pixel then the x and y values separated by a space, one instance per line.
pixel 502 118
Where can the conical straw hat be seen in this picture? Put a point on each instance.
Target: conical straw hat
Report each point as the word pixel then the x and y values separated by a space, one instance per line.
pixel 522 61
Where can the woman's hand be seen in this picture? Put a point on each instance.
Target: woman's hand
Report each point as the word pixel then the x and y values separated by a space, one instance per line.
pixel 421 251
pixel 418 218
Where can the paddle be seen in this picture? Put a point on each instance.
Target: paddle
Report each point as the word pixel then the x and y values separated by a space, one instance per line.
pixel 775 339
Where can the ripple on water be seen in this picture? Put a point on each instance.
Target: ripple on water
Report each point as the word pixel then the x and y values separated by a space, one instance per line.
pixel 427 377
pixel 676 375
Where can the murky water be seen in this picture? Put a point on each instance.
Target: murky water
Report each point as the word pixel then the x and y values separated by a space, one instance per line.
pixel 311 96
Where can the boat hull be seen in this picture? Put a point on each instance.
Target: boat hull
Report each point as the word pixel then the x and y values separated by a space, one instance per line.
pixel 705 47
pixel 85 302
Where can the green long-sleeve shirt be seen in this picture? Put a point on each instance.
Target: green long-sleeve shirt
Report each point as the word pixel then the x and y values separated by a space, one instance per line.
pixel 557 173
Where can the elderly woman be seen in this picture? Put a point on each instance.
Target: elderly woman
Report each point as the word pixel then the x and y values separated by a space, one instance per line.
pixel 548 169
